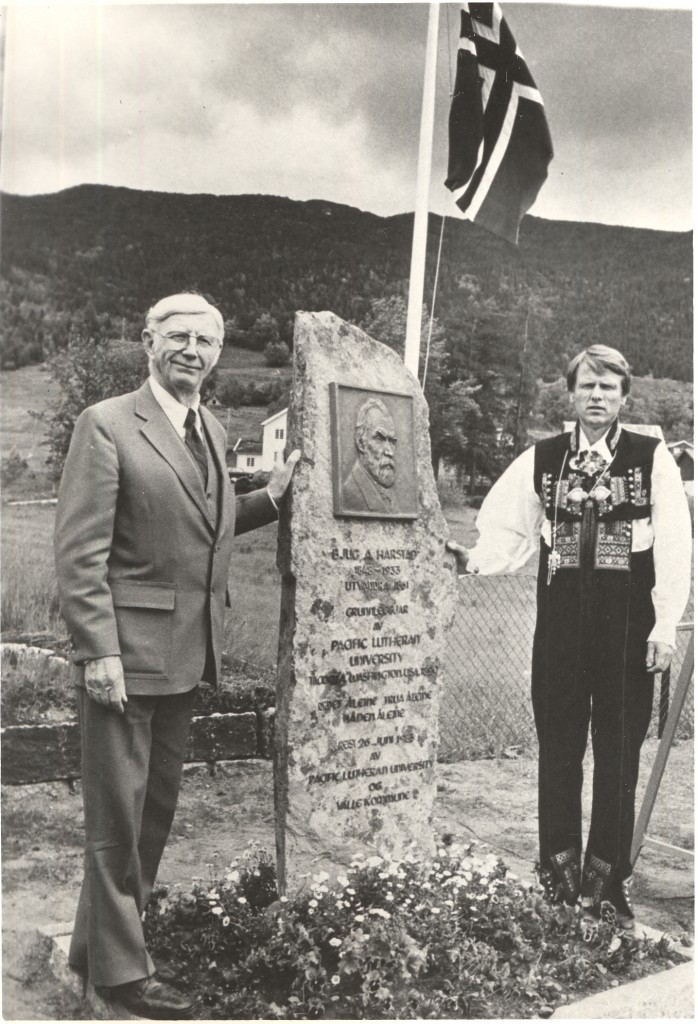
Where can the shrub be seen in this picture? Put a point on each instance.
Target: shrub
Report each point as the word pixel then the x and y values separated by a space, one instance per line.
pixel 12 467
pixel 277 353
pixel 87 372
pixel 456 937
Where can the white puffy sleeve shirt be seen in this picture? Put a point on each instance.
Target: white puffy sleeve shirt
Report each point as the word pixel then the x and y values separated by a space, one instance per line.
pixel 511 522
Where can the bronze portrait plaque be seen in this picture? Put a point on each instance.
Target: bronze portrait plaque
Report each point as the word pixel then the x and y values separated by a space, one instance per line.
pixel 373 457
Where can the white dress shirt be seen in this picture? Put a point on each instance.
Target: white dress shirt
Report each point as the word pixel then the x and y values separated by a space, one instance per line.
pixel 177 413
pixel 512 520
pixel 174 410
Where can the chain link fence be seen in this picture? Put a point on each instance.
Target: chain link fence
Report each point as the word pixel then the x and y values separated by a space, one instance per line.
pixel 486 703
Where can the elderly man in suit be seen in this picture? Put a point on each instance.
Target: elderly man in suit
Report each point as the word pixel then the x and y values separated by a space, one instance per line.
pixel 144 535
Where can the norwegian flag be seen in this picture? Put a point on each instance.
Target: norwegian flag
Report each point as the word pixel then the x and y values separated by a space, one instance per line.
pixel 499 142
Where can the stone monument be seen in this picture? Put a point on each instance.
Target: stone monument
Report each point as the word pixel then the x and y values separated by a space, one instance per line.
pixel 368 592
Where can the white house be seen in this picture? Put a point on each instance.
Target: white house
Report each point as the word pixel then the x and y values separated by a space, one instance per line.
pixel 251 456
pixel 274 433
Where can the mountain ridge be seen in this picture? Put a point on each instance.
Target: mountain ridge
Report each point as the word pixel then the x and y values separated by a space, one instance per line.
pixel 94 257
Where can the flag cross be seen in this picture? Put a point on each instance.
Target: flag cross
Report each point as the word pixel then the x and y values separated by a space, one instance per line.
pixel 499 143
pixel 498 54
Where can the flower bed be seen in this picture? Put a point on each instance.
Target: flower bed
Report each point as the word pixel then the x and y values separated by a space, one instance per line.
pixel 460 937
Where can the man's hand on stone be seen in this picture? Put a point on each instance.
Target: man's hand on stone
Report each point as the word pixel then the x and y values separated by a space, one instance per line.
pixel 281 476
pixel 104 682
pixel 658 656
pixel 461 554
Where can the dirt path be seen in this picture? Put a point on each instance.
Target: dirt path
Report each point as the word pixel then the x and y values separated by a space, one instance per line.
pixel 493 802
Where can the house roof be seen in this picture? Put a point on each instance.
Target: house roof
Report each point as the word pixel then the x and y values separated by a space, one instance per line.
pixel 244 446
pixel 276 416
pixel 684 446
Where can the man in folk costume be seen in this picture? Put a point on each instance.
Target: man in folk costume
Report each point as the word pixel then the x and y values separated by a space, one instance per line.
pixel 607 507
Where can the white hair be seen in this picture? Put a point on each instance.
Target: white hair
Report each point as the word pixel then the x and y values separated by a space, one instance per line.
pixel 183 302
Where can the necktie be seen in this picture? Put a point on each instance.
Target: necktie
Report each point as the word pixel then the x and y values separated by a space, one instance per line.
pixel 195 445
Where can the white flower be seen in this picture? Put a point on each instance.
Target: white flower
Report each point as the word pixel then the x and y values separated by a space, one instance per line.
pixel 389 896
pixel 343 881
pixel 373 862
pixel 283 899
pixel 217 910
pixel 312 903
pixel 359 917
pixel 322 876
pixel 449 903
pixel 233 876
pixel 335 979
pixel 241 899
pixel 436 910
pixel 213 895
pixel 352 892
pixel 379 912
pixel 335 942
pixel 226 921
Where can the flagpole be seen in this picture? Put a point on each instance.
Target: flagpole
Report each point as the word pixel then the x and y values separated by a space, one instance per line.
pixel 421 212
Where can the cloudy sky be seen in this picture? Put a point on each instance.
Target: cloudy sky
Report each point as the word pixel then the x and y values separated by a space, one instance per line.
pixel 323 101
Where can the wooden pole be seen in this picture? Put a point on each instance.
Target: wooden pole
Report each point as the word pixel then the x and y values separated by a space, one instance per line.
pixel 421 212
pixel 682 684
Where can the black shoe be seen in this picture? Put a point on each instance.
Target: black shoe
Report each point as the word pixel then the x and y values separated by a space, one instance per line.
pixel 151 998
pixel 562 882
pixel 605 897
pixel 619 898
pixel 568 869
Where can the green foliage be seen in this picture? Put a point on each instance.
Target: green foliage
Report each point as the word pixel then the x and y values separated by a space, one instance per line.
pixel 481 379
pixel 233 392
pixel 664 403
pixel 89 371
pixel 277 353
pixel 35 687
pixel 29 593
pixel 12 468
pixel 92 259
pixel 458 937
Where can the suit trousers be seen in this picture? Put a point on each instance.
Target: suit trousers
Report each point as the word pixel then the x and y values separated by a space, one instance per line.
pixel 589 667
pixel 131 774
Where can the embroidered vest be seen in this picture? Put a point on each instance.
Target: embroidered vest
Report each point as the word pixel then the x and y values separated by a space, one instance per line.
pixel 621 494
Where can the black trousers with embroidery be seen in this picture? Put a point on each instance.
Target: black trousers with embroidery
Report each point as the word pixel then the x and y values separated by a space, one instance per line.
pixel 589 668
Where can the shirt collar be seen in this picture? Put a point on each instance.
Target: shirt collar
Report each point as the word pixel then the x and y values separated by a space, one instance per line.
pixel 174 410
pixel 600 446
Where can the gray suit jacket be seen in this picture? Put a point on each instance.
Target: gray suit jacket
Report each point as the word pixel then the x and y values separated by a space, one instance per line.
pixel 142 562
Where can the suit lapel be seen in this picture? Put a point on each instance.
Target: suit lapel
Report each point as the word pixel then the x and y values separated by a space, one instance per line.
pixel 163 437
pixel 217 448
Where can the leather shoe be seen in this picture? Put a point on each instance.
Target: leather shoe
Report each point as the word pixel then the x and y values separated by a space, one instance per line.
pixel 151 998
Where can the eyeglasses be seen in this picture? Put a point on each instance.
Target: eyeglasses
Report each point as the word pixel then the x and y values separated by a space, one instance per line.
pixel 180 339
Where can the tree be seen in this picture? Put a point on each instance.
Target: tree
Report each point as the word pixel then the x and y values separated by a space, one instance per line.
pixel 386 321
pixel 277 353
pixel 88 371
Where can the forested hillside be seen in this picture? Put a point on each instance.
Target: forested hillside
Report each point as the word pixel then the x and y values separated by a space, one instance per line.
pixel 91 259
